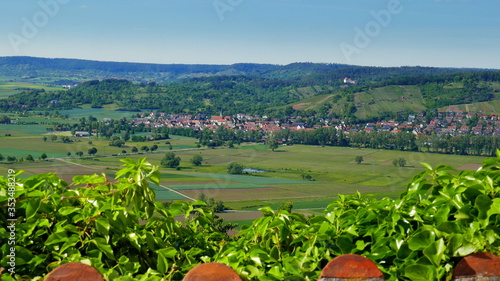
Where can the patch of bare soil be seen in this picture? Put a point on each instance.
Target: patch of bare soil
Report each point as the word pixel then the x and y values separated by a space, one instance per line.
pixel 472 167
pixel 228 195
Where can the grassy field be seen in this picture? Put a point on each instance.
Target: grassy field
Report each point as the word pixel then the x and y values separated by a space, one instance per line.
pixel 22 130
pixel 332 169
pixel 99 113
pixel 11 88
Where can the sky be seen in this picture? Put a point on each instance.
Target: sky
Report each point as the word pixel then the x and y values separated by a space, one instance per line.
pixel 440 33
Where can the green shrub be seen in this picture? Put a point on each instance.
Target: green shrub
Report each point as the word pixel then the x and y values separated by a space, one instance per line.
pixel 443 215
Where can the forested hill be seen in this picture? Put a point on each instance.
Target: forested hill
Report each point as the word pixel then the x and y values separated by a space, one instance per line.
pixel 312 73
pixel 274 97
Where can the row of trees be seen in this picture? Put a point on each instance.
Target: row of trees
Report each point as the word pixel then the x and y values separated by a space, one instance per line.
pixel 170 160
pixel 330 136
pixel 404 141
pixel 54 138
pixel 28 158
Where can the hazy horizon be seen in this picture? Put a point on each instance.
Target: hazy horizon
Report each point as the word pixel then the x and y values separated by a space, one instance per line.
pixel 263 63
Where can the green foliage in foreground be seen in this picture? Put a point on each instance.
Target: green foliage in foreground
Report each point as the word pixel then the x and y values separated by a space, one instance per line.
pixel 443 215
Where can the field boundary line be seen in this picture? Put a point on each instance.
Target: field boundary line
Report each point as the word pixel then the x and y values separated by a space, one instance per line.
pixel 162 186
pixel 64 160
pixel 175 191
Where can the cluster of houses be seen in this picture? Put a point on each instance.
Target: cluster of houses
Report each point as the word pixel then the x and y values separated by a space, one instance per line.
pixel 451 122
pixel 242 122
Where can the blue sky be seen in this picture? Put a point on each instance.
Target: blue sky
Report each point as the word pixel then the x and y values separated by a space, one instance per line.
pixel 446 33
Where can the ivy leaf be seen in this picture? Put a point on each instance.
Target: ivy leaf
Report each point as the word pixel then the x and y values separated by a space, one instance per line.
pixel 102 226
pixel 483 204
pixel 421 240
pixel 104 247
pixel 435 252
pixel 32 207
pixel 65 211
pixel 495 207
pixel 418 272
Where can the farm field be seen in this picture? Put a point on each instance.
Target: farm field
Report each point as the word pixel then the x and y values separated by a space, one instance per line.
pixel 22 130
pixel 332 170
pixel 11 88
pixel 309 176
pixel 99 113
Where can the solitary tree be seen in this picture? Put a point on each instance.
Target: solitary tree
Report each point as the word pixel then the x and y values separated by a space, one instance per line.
pixel 145 148
pixel 44 138
pixel 235 168
pixel 69 153
pixel 170 160
pixel 287 206
pixel 29 158
pixel 43 156
pixel 273 144
pixel 359 159
pixel 4 119
pixel 92 151
pixel 116 141
pixel 65 139
pixel 2 157
pixel 134 149
pixel 125 135
pixel 307 177
pixel 79 153
pixel 53 137
pixel 401 162
pixel 197 160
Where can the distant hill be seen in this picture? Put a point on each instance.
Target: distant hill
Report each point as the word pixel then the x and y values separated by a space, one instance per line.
pixel 274 97
pixel 30 67
pixel 305 89
pixel 57 69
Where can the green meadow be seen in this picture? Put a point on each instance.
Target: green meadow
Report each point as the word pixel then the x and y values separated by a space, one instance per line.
pixel 99 113
pixel 11 88
pixel 310 176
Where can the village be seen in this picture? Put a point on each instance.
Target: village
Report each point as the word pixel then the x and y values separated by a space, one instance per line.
pixel 452 123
